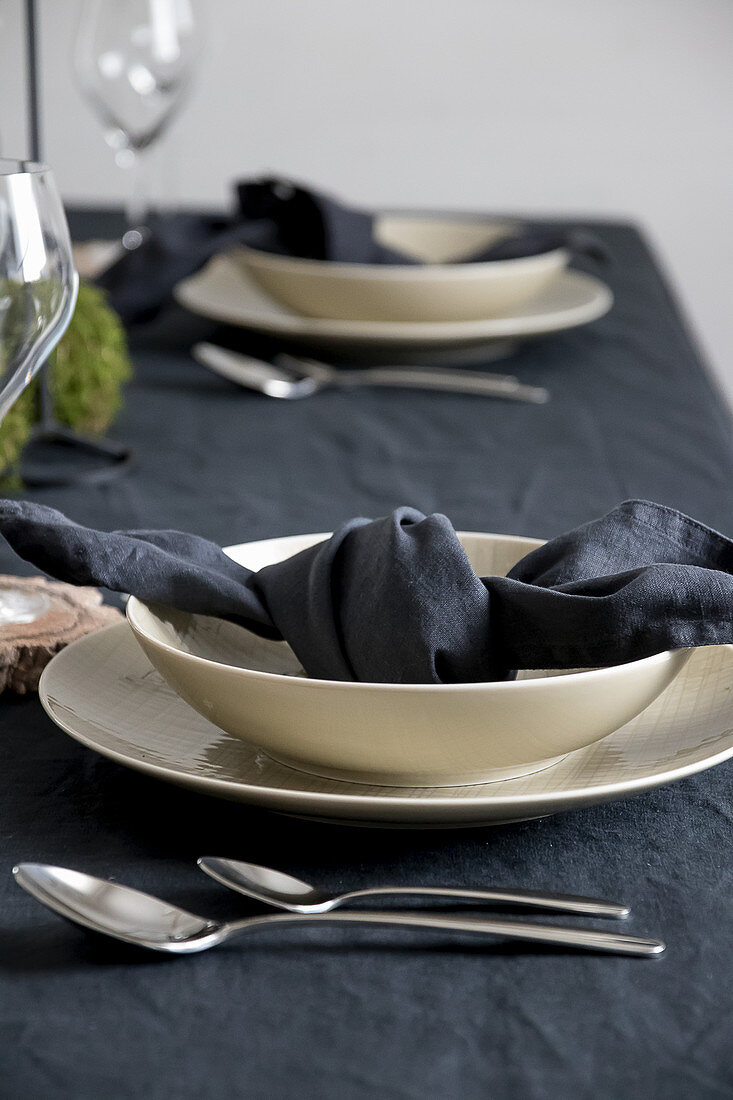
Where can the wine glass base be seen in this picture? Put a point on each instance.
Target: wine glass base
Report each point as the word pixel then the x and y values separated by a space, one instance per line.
pixel 56 456
pixel 133 238
pixel 19 607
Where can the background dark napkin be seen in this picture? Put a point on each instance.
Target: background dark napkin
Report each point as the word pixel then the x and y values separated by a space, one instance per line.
pixel 278 216
pixel 395 600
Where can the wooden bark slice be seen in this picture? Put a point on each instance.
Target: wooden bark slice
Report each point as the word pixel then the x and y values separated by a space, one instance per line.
pixel 63 614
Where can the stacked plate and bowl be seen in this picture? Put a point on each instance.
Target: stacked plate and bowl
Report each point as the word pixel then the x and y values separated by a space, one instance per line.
pixel 442 304
pixel 209 705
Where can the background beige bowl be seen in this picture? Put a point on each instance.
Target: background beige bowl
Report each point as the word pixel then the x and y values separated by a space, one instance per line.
pixel 441 289
pixel 390 734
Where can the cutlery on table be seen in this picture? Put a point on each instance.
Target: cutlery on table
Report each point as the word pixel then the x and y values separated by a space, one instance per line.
pixel 147 921
pixel 281 890
pixel 290 377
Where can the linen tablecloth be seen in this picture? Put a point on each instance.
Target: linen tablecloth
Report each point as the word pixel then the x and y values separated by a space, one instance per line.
pixel 347 1013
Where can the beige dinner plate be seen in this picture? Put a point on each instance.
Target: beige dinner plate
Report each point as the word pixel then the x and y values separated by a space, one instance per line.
pixel 103 692
pixel 223 292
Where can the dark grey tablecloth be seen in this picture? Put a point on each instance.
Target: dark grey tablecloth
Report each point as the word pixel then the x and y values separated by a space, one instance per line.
pixel 327 1013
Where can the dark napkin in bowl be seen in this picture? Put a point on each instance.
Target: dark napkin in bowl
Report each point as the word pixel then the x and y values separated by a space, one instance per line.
pixel 395 600
pixel 275 215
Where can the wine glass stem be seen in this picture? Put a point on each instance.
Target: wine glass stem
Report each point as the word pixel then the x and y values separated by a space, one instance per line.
pixel 48 417
pixel 137 207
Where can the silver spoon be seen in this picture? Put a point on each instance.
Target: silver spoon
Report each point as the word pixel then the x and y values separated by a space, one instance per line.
pixel 289 377
pixel 285 892
pixel 147 921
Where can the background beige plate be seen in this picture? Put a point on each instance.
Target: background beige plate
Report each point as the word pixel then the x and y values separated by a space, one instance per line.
pixel 103 692
pixel 223 292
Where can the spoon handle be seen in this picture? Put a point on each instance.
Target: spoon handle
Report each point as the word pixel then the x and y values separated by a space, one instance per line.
pixel 319 369
pixel 564 903
pixel 430 378
pixel 585 938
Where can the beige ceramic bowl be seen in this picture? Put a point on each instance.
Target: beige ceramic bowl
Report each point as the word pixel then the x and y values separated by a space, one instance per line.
pixel 440 289
pixel 390 734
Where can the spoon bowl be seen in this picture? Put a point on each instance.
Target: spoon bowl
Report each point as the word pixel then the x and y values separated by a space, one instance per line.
pixel 268 885
pixel 116 910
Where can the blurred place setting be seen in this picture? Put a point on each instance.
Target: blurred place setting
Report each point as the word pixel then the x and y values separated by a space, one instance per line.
pixel 366 556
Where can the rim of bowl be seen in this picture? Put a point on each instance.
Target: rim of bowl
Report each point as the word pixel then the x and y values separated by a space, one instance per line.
pixel 392 272
pixel 311 682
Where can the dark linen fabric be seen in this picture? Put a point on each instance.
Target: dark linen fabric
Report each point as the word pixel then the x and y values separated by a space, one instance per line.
pixel 395 600
pixel 334 1014
pixel 274 215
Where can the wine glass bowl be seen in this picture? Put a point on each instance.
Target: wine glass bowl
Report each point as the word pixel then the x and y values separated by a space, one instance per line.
pixel 38 289
pixel 38 281
pixel 134 60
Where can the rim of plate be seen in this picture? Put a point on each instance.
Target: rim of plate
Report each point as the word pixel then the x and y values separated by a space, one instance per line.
pixel 287 794
pixel 311 683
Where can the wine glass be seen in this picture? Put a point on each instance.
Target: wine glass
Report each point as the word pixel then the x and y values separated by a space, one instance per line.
pixel 38 288
pixel 134 61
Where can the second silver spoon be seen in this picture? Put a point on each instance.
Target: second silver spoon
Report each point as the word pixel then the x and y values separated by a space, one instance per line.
pixel 285 892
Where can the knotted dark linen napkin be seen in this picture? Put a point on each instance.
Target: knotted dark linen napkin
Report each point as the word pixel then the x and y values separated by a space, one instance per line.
pixel 275 215
pixel 395 600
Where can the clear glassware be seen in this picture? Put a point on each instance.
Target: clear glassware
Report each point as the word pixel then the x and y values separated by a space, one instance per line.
pixel 134 60
pixel 38 288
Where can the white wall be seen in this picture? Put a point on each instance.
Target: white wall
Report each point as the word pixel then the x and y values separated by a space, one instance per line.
pixel 619 107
